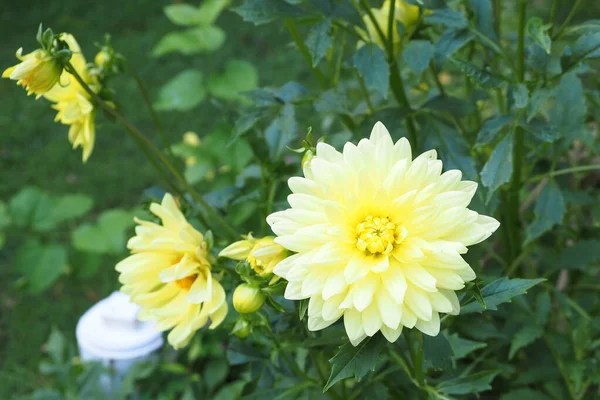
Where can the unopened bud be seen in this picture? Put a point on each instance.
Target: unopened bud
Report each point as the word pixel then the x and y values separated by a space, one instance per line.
pixel 247 298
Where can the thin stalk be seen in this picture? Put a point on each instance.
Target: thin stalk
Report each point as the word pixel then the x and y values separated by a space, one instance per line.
pixel 565 171
pixel 150 107
pixel 365 91
pixel 419 361
pixel 498 18
pixel 552 18
pixel 567 21
pixel 143 141
pixel 293 29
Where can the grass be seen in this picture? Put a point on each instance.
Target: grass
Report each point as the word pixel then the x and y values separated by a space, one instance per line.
pixel 35 151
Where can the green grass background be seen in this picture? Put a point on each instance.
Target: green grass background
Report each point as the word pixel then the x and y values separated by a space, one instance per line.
pixel 35 151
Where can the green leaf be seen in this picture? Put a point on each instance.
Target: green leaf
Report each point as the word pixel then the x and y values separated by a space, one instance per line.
pixel 498 169
pixel 41 264
pixel 319 40
pixel 539 98
pixel 263 11
pixel 71 206
pixel 107 236
pixel 239 76
pixel 538 31
pixel 245 122
pixel 452 146
pixel 543 306
pixel 417 55
pixel 587 46
pixel 474 290
pixel 215 372
pixel 182 93
pixel 451 41
pixel 520 96
pixel 186 15
pixel 475 383
pixel 438 352
pixel 524 393
pixel 569 109
pixel 500 291
pixel 357 361
pixel 448 18
pixel 281 131
pixel 579 256
pixel 463 347
pixel 29 207
pixel 542 130
pixel 483 78
pixel 524 337
pixel 302 308
pixel 491 129
pixel 453 105
pixel 201 39
pixel 549 211
pixel 333 101
pixel 56 346
pixel 371 64
pixel 484 17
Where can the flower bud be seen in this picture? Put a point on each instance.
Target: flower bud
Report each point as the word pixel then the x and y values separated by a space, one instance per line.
pixel 247 298
pixel 191 139
pixel 242 329
pixel 102 58
pixel 37 72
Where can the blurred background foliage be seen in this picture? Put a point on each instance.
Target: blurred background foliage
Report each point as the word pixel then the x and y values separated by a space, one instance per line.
pixel 42 174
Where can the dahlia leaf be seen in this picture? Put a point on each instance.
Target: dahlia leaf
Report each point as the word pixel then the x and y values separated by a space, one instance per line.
pixel 463 347
pixel 356 361
pixel 478 382
pixel 264 11
pixel 319 40
pixel 417 54
pixel 438 351
pixel 524 337
pixel 549 211
pixel 372 66
pixel 500 291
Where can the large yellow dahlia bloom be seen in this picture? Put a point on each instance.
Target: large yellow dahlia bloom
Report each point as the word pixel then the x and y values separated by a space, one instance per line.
pixel 378 237
pixel 73 102
pixel 169 275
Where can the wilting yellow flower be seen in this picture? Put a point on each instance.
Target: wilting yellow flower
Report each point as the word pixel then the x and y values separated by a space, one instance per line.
pixel 262 254
pixel 169 275
pixel 37 72
pixel 248 299
pixel 406 13
pixel 73 102
pixel 378 237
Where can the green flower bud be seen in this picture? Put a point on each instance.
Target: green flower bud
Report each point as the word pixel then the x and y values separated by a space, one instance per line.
pixel 248 299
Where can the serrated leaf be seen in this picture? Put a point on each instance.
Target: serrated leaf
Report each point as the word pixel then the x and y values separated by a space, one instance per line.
pixel 524 337
pixel 371 64
pixel 539 98
pixel 491 129
pixel 438 352
pixel 500 291
pixel 538 31
pixel 281 131
pixel 569 109
pixel 448 18
pixel 201 39
pixel 333 101
pixel 520 96
pixel 417 55
pixel 498 169
pixel 483 78
pixel 542 130
pixel 245 122
pixel 263 11
pixel 484 17
pixel 463 347
pixel 357 361
pixel 549 211
pixel 450 104
pixel 452 146
pixel 475 383
pixel 450 42
pixel 319 40
pixel 182 93
pixel 543 306
pixel 239 76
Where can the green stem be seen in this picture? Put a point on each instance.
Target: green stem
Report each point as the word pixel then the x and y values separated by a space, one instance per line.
pixel 150 107
pixel 293 29
pixel 143 141
pixel 565 171
pixel 419 373
pixel 498 18
pixel 566 22
pixel 365 92
pixel 552 18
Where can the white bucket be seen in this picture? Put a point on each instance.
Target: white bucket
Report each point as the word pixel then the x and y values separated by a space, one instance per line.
pixel 110 333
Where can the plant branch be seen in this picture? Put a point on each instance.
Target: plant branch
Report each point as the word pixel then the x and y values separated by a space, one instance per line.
pixel 567 21
pixel 583 168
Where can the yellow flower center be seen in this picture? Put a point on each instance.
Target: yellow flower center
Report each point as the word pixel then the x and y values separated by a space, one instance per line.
pixel 187 282
pixel 378 235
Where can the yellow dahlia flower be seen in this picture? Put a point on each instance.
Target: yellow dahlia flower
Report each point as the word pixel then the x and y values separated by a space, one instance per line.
pixel 73 102
pixel 169 275
pixel 262 254
pixel 37 72
pixel 406 13
pixel 378 237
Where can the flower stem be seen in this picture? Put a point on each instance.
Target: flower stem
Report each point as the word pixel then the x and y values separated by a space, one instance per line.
pixel 568 19
pixel 583 168
pixel 152 151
